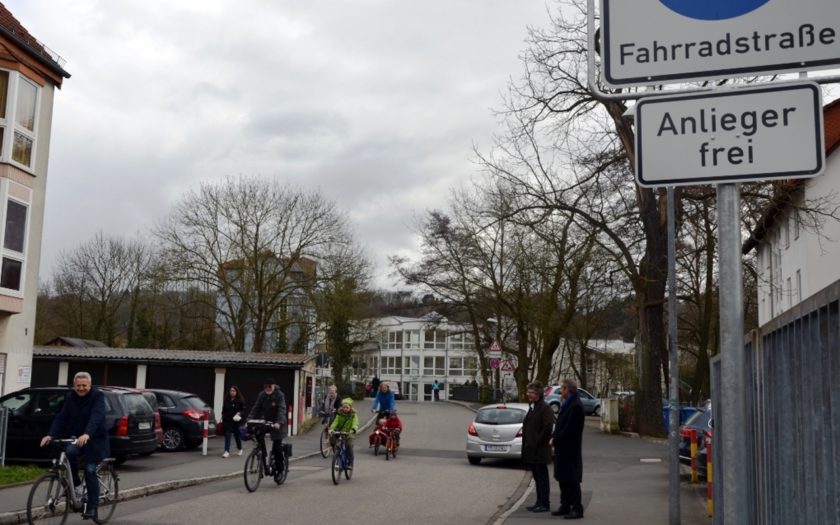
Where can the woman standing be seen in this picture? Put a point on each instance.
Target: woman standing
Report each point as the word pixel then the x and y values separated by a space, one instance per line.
pixel 536 447
pixel 232 410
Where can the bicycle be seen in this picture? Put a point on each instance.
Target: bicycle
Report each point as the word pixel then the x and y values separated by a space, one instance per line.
pixel 256 466
pixel 340 460
pixel 391 446
pixel 326 419
pixel 52 496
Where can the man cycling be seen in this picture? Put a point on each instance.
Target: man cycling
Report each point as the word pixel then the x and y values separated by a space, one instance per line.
pixel 83 417
pixel 271 406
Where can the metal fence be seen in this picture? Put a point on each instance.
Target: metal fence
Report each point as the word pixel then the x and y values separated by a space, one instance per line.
pixel 793 415
pixel 4 430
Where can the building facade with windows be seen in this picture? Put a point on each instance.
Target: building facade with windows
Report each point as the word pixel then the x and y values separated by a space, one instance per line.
pixel 30 74
pixel 414 352
pixel 793 259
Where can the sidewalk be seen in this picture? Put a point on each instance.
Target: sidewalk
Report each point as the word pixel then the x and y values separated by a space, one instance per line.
pixel 160 472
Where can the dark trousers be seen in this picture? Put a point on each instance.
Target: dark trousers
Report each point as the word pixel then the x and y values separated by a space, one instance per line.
pixel 570 497
pixel 540 472
pixel 234 431
pixel 91 480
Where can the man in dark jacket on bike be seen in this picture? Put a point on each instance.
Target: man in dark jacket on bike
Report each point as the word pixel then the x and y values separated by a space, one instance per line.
pixel 271 406
pixel 83 417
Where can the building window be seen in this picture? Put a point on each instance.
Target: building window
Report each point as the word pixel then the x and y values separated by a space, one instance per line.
pixel 795 224
pixel 786 231
pixel 434 366
pixel 395 340
pixel 789 292
pixel 412 338
pixel 463 366
pixel 18 118
pixel 434 340
pixel 15 219
pixel 798 286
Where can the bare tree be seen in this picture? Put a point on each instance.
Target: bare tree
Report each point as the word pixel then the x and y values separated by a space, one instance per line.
pixel 256 244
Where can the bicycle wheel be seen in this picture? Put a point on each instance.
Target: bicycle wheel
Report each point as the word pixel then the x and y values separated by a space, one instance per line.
pixel 253 470
pixel 388 448
pixel 325 442
pixel 48 502
pixel 348 472
pixel 376 446
pixel 336 466
pixel 393 447
pixel 109 492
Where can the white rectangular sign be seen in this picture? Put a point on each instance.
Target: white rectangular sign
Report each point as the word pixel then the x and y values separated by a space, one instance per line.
pixel 662 41
pixel 761 133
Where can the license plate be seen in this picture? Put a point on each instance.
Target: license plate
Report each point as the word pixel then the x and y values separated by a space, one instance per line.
pixel 144 425
pixel 495 448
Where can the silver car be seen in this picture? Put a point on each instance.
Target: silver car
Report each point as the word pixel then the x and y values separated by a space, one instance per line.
pixel 496 432
pixel 591 404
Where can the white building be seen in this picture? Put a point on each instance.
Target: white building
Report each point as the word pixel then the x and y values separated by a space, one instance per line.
pixel 795 262
pixel 610 365
pixel 415 352
pixel 30 74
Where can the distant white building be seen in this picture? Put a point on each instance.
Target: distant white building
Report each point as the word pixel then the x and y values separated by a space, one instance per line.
pixel 415 352
pixel 793 262
pixel 610 365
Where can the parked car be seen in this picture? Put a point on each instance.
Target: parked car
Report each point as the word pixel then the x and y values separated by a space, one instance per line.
pixel 591 404
pixel 496 432
pixel 128 418
pixel 701 423
pixel 152 400
pixel 182 415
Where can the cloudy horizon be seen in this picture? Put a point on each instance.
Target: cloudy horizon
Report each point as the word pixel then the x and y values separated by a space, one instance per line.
pixel 377 105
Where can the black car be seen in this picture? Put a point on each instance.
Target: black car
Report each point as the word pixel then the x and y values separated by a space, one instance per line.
pixel 701 423
pixel 128 418
pixel 182 415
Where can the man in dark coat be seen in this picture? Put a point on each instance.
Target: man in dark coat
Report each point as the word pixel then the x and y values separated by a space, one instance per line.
pixel 271 406
pixel 83 416
pixel 536 444
pixel 568 461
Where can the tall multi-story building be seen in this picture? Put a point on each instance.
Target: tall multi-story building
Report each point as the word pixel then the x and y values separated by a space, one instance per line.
pixel 30 74
pixel 414 352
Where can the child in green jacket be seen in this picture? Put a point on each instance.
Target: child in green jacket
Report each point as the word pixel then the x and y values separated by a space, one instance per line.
pixel 346 420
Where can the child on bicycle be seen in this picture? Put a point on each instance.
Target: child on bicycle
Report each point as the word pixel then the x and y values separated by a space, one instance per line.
pixel 378 435
pixel 394 424
pixel 346 420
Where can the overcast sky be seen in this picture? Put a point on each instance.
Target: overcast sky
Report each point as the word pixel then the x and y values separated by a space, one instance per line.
pixel 376 103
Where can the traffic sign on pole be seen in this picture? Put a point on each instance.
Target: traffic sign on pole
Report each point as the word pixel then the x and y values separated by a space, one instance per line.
pixel 494 362
pixel 495 349
pixel 507 366
pixel 660 41
pixel 756 133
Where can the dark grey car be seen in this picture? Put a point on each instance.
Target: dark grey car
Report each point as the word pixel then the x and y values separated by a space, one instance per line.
pixel 591 404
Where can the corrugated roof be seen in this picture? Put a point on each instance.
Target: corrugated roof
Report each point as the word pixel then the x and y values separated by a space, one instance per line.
pixel 75 341
pixel 11 27
pixel 173 356
pixel 785 189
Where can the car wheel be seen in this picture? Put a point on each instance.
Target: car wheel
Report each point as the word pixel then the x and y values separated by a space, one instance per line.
pixel 555 407
pixel 474 460
pixel 173 439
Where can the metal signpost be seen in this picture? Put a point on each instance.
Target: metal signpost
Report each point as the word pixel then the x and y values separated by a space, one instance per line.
pixel 720 136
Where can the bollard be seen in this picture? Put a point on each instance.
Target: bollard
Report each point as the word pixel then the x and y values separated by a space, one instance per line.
pixel 289 420
pixel 205 424
pixel 693 436
pixel 709 498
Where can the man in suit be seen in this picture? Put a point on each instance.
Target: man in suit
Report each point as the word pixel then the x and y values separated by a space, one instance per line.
pixel 568 461
pixel 536 444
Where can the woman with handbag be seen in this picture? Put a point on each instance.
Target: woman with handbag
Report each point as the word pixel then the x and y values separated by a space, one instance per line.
pixel 232 410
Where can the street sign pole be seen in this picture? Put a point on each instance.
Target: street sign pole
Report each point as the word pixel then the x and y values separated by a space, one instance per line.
pixel 730 426
pixel 673 367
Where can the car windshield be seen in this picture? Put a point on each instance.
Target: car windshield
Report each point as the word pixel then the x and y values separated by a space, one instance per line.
pixel 151 399
pixel 500 416
pixel 195 402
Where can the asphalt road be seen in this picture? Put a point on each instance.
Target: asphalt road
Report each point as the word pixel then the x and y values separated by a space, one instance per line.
pixel 429 482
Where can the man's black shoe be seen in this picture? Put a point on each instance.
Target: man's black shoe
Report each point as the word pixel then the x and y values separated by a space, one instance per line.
pixel 574 514
pixel 541 508
pixel 90 514
pixel 561 511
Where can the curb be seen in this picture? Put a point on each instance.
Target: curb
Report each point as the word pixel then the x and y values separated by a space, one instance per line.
pixel 18 517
